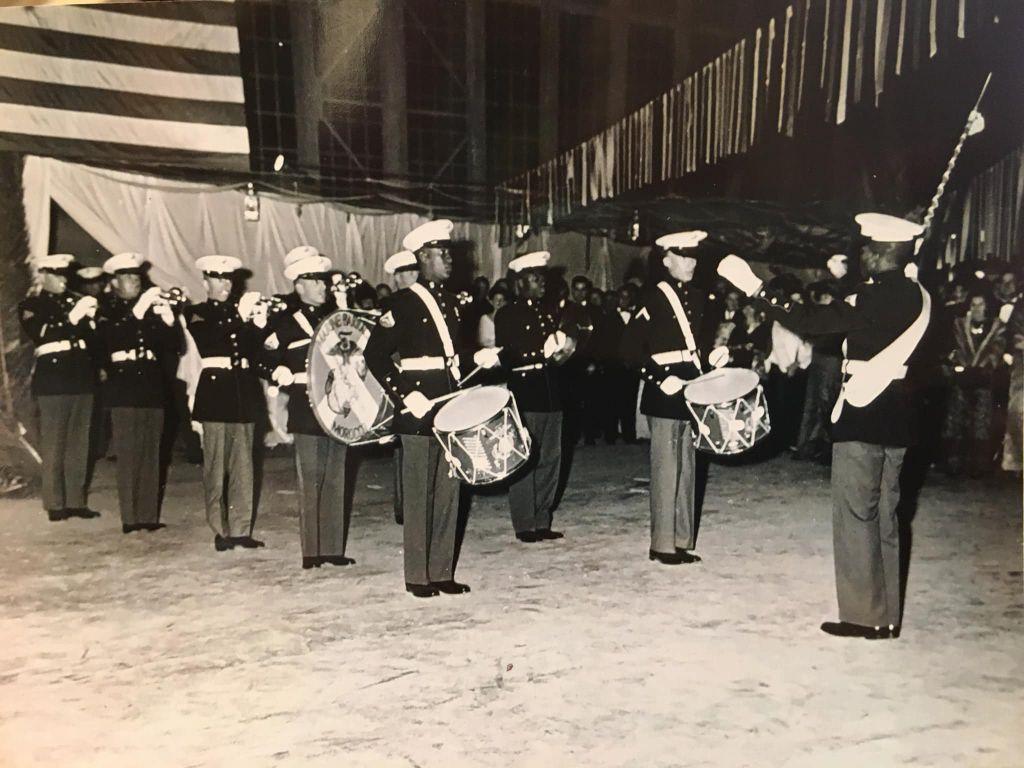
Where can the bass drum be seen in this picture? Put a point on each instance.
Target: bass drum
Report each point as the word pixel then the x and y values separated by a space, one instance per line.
pixel 346 399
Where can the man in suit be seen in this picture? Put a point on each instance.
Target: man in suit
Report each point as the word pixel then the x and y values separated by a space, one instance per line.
pixel 421 329
pixel 665 341
pixel 532 347
pixel 61 326
pixel 136 330
pixel 873 420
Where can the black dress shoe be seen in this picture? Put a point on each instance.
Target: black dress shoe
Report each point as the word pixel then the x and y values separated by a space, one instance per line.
pixel 310 562
pixel 337 560
pixel 546 534
pixel 451 587
pixel 421 590
pixel 56 515
pixel 679 557
pixel 399 519
pixel 221 544
pixel 83 512
pixel 152 526
pixel 528 536
pixel 847 629
pixel 248 542
pixel 125 528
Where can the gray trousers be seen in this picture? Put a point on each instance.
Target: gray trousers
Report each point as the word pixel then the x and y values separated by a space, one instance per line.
pixel 865 532
pixel 430 506
pixel 397 466
pixel 531 496
pixel 227 466
pixel 136 440
pixel 323 522
pixel 673 483
pixel 64 448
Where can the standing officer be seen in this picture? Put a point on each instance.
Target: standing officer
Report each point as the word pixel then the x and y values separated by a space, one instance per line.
pixel 532 345
pixel 662 340
pixel 404 269
pixel 228 399
pixel 135 330
pixel 872 421
pixel 319 459
pixel 421 328
pixel 60 325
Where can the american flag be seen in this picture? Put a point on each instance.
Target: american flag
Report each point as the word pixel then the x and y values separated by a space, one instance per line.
pixel 154 83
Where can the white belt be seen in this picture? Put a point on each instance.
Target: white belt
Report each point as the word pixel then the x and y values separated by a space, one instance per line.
pixel 53 347
pixel 299 343
pixel 676 356
pixel 127 355
pixel 423 363
pixel 854 366
pixel 223 362
pixel 531 367
pixel 300 378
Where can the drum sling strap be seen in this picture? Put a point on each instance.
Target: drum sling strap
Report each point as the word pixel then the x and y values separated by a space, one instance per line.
pixel 442 327
pixel 683 320
pixel 872 376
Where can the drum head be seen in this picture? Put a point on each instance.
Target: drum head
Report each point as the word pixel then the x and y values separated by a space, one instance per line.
pixel 470 409
pixel 346 399
pixel 720 386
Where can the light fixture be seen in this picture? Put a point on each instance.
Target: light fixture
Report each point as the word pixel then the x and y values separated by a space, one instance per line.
pixel 252 204
pixel 634 228
pixel 278 163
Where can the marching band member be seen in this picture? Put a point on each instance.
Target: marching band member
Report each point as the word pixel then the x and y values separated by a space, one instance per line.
pixel 60 325
pixel 404 270
pixel 228 399
pixel 532 344
pixel 135 330
pixel 421 327
pixel 883 323
pixel 662 340
pixel 319 459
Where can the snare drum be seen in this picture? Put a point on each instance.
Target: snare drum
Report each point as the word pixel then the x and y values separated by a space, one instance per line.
pixel 729 408
pixel 483 437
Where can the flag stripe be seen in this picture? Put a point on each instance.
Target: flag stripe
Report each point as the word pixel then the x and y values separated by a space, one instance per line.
pixel 177 85
pixel 81 99
pixel 90 48
pixel 130 28
pixel 41 121
pixel 114 152
pixel 222 13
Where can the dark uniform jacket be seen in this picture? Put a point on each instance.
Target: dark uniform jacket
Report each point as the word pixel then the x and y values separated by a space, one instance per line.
pixel 885 307
pixel 226 394
pixel 581 322
pixel 653 335
pixel 288 345
pixel 44 319
pixel 521 329
pixel 408 331
pixel 138 382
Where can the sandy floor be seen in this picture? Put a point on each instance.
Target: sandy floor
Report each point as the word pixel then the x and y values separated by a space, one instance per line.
pixel 152 650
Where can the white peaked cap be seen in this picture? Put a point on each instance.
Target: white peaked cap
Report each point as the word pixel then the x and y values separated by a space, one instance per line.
pixel 883 228
pixel 311 265
pixel 534 260
pixel 432 232
pixel 56 261
pixel 300 252
pixel 681 240
pixel 122 261
pixel 90 273
pixel 400 260
pixel 218 265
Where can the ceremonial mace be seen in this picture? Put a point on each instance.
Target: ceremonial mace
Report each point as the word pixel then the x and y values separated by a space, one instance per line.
pixel 975 124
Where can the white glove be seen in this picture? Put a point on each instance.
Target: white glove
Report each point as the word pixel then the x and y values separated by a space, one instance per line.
pixel 738 272
pixel 247 304
pixel 259 315
pixel 283 376
pixel 1004 313
pixel 197 427
pixel 145 302
pixel 977 124
pixel 163 311
pixel 340 295
pixel 554 343
pixel 672 385
pixel 487 357
pixel 719 356
pixel 417 404
pixel 85 306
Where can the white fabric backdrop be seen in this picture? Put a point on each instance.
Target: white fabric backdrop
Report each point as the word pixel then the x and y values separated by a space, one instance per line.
pixel 173 223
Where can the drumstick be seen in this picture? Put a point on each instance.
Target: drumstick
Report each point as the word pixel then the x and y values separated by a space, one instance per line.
pixel 449 396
